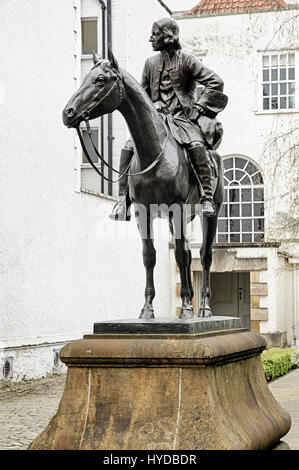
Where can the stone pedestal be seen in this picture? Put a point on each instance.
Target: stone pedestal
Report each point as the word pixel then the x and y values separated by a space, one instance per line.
pixel 171 391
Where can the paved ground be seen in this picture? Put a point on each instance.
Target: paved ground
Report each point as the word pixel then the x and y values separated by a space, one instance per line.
pixel 286 391
pixel 26 408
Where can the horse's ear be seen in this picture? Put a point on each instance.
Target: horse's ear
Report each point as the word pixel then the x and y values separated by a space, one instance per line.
pixel 95 58
pixel 112 59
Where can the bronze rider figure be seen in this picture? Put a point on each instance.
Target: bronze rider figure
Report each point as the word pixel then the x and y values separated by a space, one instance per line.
pixel 170 79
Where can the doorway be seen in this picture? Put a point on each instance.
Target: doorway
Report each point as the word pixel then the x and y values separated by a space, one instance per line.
pixel 231 295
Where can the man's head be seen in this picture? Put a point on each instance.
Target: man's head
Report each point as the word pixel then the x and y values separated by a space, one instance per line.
pixel 165 35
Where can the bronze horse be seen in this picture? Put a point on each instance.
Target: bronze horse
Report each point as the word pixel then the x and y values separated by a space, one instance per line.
pixel 166 185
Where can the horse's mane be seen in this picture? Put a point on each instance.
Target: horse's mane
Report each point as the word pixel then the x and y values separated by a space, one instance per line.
pixel 130 80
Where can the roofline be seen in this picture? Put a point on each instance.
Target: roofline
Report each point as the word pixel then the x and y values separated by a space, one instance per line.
pixel 181 14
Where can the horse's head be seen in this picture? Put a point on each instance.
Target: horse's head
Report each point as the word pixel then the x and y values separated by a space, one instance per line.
pixel 100 93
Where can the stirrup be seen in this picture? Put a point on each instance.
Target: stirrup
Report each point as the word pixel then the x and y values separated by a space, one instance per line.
pixel 120 212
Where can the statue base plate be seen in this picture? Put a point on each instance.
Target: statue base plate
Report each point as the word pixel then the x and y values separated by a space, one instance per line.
pixel 164 391
pixel 168 325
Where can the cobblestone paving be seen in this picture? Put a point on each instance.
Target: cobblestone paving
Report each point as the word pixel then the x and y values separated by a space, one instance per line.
pixel 26 408
pixel 286 391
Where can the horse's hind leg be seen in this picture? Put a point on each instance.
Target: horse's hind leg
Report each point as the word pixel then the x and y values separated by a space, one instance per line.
pixel 209 231
pixel 209 228
pixel 183 258
pixel 144 223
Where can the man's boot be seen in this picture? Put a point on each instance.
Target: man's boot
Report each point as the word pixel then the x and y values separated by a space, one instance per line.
pixel 199 158
pixel 121 209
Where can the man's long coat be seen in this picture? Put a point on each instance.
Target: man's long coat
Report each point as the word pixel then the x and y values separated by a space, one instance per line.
pixel 185 72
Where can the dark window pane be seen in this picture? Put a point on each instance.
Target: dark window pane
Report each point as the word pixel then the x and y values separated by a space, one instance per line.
pixel 222 226
pixel 246 210
pixel 291 57
pixel 274 103
pixel 247 225
pixel 265 75
pixel 283 74
pixel 274 75
pixel 258 225
pixel 258 237
pixel 283 102
pixel 234 210
pixel 229 175
pixel 283 88
pixel 234 225
pixel 274 60
pixel 234 195
pixel 274 89
pixel 246 195
pixel 222 238
pixel 235 238
pixel 258 194
pixel 246 237
pixel 234 183
pixel 292 88
pixel 291 102
pixel 228 163
pixel 89 36
pixel 246 180
pixel 225 195
pixel 282 59
pixel 266 90
pixel 266 103
pixel 251 168
pixel 88 145
pixel 291 74
pixel 240 162
pixel 223 211
pixel 258 209
pixel 239 174
pixel 257 179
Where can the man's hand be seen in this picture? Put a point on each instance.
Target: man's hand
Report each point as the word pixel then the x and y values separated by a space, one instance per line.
pixel 194 114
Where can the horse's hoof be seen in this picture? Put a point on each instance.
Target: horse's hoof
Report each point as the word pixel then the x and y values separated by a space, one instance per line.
pixel 205 313
pixel 147 314
pixel 186 313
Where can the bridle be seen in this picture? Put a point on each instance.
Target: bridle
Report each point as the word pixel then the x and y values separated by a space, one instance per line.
pixel 118 82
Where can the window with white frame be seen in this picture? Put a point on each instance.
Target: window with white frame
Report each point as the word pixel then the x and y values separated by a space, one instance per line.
pixel 93 38
pixel 241 219
pixel 278 81
pixel 89 35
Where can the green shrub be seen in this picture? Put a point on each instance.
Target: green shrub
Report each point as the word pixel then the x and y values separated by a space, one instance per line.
pixel 278 361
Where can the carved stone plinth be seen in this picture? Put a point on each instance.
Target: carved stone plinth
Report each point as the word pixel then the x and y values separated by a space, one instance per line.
pixel 146 391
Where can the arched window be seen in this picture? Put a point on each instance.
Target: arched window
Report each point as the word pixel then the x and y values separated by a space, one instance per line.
pixel 242 215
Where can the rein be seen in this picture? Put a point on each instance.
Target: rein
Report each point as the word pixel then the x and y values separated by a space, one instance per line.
pixel 126 173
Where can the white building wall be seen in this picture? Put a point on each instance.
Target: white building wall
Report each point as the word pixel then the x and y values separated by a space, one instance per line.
pixel 231 45
pixel 64 264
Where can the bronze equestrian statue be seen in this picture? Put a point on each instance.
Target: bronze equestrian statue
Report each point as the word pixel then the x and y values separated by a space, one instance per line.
pixel 171 163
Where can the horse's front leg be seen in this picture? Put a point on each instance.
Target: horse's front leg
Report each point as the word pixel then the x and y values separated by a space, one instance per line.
pixel 183 258
pixel 149 260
